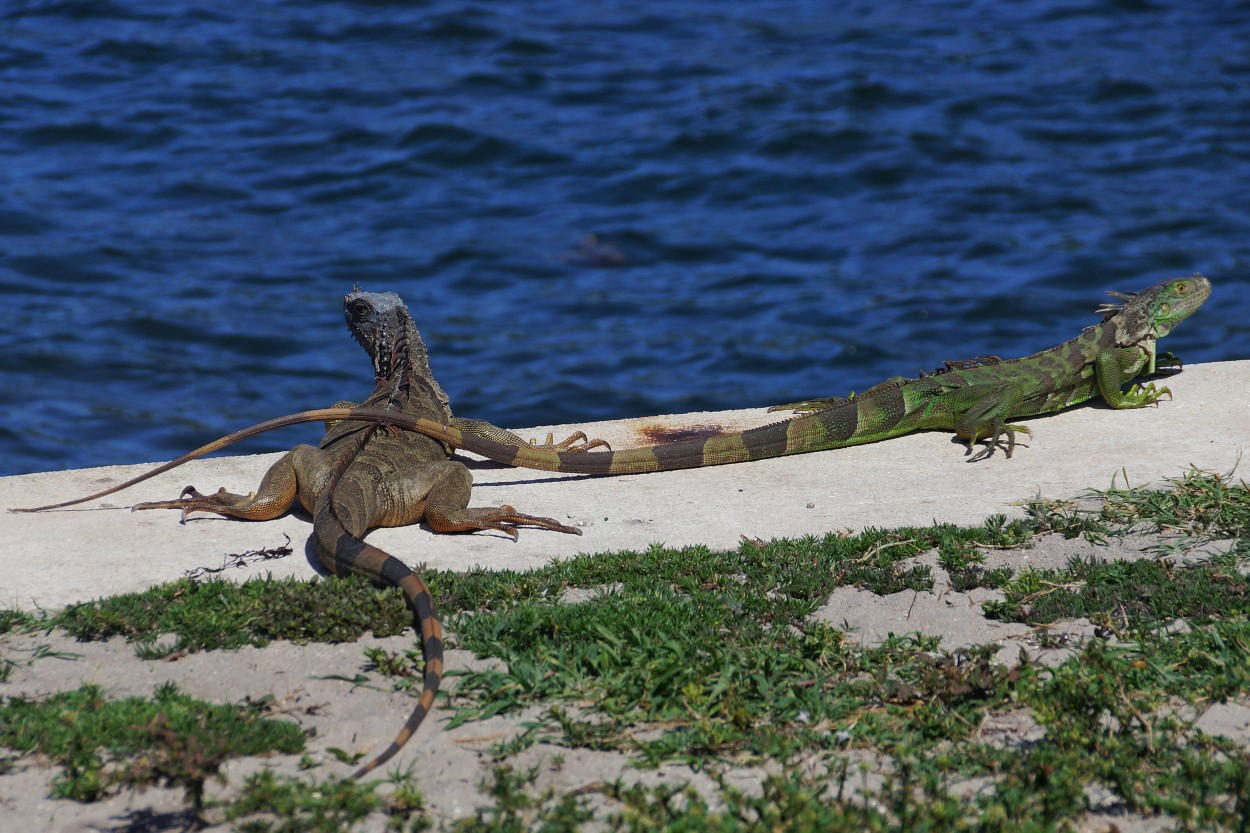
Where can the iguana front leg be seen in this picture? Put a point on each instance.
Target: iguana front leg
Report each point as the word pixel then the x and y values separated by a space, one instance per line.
pixel 1166 361
pixel 303 466
pixel 1112 368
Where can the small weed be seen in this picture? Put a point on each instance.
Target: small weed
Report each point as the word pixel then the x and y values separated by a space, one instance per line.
pixel 150 649
pixel 14 620
pixel 404 801
pixel 976 576
pixel 45 651
pixel 272 805
pixel 404 666
pixel 515 810
pixel 177 759
pixel 1066 518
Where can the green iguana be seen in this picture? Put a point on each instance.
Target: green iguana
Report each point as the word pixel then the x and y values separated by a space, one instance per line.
pixel 364 475
pixel 974 398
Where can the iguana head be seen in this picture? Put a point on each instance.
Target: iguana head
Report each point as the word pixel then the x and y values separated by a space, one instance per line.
pixel 380 323
pixel 1153 313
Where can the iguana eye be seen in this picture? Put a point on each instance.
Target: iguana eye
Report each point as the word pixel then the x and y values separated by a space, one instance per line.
pixel 362 309
pixel 1182 288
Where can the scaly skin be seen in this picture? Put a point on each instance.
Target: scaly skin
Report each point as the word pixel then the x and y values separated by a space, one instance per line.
pixel 360 478
pixel 973 398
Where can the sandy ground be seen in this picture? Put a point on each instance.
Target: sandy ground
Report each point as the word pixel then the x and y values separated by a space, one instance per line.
pixel 60 557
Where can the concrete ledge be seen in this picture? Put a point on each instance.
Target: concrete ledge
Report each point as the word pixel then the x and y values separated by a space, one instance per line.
pixel 55 558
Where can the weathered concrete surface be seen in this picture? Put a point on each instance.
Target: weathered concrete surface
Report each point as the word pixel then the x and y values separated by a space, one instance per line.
pixel 55 558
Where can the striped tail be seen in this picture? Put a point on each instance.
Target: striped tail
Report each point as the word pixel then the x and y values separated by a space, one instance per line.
pixel 342 554
pixel 421 603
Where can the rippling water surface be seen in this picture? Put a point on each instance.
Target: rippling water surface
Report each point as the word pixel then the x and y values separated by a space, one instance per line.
pixel 789 199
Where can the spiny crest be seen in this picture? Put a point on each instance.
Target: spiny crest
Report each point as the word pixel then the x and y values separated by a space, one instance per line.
pixel 1108 311
pixel 960 364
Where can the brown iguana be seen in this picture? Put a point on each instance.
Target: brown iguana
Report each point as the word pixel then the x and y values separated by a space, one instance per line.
pixel 974 398
pixel 364 475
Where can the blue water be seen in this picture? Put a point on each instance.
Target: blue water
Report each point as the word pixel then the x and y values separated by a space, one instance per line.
pixel 791 199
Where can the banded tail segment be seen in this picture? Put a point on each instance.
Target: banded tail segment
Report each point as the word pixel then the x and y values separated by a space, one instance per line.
pixel 352 556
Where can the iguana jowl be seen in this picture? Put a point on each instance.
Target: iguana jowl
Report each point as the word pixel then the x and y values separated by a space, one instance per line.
pixel 363 475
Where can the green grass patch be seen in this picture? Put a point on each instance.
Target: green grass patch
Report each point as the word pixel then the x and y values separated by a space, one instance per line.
pixel 518 807
pixel 1198 503
pixel 1126 594
pixel 217 613
pixel 170 738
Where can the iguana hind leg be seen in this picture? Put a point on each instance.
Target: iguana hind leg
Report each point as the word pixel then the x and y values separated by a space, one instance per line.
pixel 438 493
pixel 503 518
pixel 987 408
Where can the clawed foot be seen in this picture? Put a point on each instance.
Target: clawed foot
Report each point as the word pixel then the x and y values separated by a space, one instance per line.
pixel 1139 397
pixel 509 519
pixel 996 442
pixel 505 519
pixel 578 441
pixel 190 500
